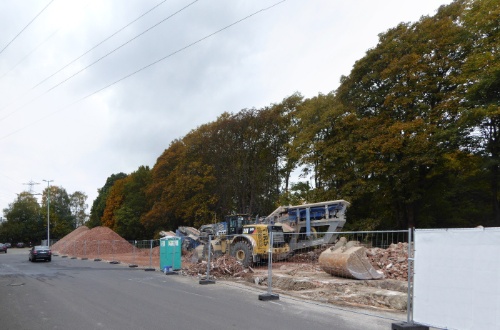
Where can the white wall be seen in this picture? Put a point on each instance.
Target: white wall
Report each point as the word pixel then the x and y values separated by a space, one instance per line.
pixel 457 278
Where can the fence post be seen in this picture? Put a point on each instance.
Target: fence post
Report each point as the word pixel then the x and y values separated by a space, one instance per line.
pixel 98 256
pixel 84 250
pixel 409 304
pixel 65 249
pixel 114 261
pixel 133 264
pixel 74 250
pixel 150 269
pixel 207 279
pixel 270 295
pixel 409 325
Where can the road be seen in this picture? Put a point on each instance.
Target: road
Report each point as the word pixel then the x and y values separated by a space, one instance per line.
pixel 84 294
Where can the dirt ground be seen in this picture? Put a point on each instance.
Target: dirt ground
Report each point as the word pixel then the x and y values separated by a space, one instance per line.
pixel 300 276
pixel 307 281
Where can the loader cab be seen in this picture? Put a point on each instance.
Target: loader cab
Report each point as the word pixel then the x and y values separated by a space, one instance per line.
pixel 236 222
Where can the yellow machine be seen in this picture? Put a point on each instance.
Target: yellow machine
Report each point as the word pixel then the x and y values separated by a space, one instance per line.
pixel 246 241
pixel 293 228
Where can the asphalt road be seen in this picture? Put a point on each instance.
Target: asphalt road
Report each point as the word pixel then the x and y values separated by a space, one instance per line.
pixel 84 294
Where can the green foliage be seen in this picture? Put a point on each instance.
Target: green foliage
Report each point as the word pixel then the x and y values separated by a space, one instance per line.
pixel 23 221
pixel 99 204
pixel 78 207
pixel 27 220
pixel 125 204
pixel 411 138
pixel 56 201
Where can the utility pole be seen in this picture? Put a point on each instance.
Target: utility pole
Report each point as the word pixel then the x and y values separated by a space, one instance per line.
pixel 48 211
pixel 31 184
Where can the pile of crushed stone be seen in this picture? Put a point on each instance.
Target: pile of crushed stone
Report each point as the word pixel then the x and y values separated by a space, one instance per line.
pixel 96 241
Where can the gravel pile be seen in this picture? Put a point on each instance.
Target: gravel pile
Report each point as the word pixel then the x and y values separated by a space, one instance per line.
pixel 97 241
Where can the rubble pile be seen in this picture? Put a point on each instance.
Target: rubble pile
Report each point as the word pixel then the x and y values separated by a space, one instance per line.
pixel 222 267
pixel 393 261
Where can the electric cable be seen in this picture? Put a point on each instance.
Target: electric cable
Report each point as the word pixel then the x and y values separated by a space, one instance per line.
pixel 96 61
pixel 100 43
pixel 17 35
pixel 142 69
pixel 29 53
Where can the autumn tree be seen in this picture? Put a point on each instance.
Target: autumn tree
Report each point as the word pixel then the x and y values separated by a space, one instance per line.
pixel 403 95
pixel 99 204
pixel 180 193
pixel 126 203
pixel 481 79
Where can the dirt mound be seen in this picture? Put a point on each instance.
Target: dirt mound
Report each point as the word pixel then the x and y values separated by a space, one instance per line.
pixel 94 242
pixel 74 235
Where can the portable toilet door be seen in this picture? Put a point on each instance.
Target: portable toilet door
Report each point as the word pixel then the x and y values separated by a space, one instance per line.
pixel 170 253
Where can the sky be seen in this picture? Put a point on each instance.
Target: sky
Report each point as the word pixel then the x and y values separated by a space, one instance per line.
pixel 91 88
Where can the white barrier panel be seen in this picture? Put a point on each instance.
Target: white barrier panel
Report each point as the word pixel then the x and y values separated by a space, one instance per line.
pixel 457 278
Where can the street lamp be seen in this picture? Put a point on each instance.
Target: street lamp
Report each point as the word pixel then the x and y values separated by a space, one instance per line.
pixel 48 211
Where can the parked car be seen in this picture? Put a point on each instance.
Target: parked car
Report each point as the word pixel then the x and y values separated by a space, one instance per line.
pixel 40 252
pixel 20 245
pixel 3 248
pixel 8 245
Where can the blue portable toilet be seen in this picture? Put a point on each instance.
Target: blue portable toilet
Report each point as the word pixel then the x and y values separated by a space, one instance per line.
pixel 170 253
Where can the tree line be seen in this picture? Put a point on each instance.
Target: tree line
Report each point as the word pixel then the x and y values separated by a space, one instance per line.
pixel 26 218
pixel 410 138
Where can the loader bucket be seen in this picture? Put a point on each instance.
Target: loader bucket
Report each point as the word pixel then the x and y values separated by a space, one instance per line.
pixel 348 259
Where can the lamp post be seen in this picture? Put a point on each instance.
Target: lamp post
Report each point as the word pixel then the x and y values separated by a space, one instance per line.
pixel 48 211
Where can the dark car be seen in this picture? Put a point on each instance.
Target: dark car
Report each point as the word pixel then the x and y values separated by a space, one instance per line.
pixel 40 252
pixel 3 248
pixel 20 245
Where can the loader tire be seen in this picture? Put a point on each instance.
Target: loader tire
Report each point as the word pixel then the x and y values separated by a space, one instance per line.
pixel 242 251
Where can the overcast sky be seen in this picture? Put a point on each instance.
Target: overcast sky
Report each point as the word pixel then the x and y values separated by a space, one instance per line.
pixel 87 92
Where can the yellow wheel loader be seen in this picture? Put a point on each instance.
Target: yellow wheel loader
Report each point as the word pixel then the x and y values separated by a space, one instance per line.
pixel 247 241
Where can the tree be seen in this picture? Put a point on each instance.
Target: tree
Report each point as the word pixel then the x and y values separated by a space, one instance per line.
pixel 482 80
pixel 78 207
pixel 181 191
pixel 405 97
pixel 126 203
pixel 62 222
pixel 24 222
pixel 99 204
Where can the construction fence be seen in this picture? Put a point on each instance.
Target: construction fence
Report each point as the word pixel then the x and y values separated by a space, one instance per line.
pixel 447 278
pixel 306 249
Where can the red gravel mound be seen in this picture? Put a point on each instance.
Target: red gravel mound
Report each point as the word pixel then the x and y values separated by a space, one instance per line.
pixel 95 242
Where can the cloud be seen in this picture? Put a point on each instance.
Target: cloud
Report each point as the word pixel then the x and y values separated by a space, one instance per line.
pixel 77 134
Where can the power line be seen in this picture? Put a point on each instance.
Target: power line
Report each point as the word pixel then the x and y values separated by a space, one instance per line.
pixel 100 43
pixel 96 61
pixel 17 35
pixel 143 68
pixel 122 45
pixel 30 52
